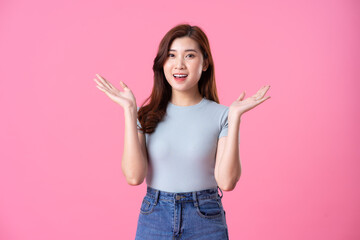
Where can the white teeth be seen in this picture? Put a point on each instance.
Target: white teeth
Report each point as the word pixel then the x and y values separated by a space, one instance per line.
pixel 179 75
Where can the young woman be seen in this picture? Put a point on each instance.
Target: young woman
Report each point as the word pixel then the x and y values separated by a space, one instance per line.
pixel 183 141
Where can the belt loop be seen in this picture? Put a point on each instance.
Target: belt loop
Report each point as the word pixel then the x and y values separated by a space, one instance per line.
pixel 157 193
pixel 195 199
pixel 221 192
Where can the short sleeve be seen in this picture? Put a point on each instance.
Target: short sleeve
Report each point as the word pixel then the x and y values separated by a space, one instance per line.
pixel 224 123
pixel 138 122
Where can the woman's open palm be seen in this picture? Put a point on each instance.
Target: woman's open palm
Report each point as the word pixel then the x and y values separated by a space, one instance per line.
pixel 125 98
pixel 241 105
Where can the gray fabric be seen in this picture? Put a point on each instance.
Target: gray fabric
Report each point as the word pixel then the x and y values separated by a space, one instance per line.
pixel 182 150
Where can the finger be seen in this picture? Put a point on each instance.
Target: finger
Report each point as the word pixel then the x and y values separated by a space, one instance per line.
pixel 109 94
pixel 101 88
pixel 264 99
pixel 106 92
pixel 100 83
pixel 260 95
pixel 262 89
pixel 265 88
pixel 241 97
pixel 123 85
pixel 257 95
pixel 104 81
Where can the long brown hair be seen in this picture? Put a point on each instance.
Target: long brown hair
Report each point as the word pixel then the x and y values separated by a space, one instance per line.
pixel 151 114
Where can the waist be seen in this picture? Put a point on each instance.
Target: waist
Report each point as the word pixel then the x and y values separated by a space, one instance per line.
pixel 186 196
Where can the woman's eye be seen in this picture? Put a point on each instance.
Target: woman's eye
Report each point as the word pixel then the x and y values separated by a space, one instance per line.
pixel 171 55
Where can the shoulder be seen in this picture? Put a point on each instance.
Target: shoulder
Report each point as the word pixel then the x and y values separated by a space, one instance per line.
pixel 218 108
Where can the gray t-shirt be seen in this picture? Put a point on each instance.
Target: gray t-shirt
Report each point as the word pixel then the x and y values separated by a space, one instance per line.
pixel 182 149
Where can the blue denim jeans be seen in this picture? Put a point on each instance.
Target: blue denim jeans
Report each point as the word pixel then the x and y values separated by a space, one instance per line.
pixel 195 215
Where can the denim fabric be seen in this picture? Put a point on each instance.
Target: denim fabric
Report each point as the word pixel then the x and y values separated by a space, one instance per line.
pixel 195 215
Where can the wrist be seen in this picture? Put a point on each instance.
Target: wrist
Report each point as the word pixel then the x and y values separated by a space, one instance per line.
pixel 234 119
pixel 130 110
pixel 234 116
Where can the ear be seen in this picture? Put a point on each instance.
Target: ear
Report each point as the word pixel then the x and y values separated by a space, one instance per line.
pixel 205 65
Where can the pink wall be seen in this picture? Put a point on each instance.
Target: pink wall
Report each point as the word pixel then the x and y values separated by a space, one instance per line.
pixel 62 138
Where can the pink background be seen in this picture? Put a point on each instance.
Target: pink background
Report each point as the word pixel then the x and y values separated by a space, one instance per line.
pixel 62 138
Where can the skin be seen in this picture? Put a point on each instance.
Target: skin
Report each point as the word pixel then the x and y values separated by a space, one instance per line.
pixel 227 165
pixel 192 63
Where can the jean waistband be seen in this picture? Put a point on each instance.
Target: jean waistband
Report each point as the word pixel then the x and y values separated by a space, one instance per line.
pixel 202 194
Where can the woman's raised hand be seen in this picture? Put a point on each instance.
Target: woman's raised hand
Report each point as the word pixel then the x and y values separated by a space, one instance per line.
pixel 126 98
pixel 241 105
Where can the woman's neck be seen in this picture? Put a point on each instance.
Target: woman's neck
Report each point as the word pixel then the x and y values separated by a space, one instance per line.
pixel 182 99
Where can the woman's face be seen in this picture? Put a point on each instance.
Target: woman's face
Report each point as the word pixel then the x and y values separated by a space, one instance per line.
pixel 184 57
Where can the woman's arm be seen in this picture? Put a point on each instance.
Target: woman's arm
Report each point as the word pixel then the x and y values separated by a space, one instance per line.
pixel 227 166
pixel 134 160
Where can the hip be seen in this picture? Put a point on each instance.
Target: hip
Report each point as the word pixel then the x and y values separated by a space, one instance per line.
pixel 186 215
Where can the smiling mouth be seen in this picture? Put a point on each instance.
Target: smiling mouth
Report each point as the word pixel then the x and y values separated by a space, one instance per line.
pixel 180 77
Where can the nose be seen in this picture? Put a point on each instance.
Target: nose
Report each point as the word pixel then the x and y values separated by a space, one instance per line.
pixel 179 63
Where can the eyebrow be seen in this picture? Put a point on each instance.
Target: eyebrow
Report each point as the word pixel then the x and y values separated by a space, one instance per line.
pixel 187 50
